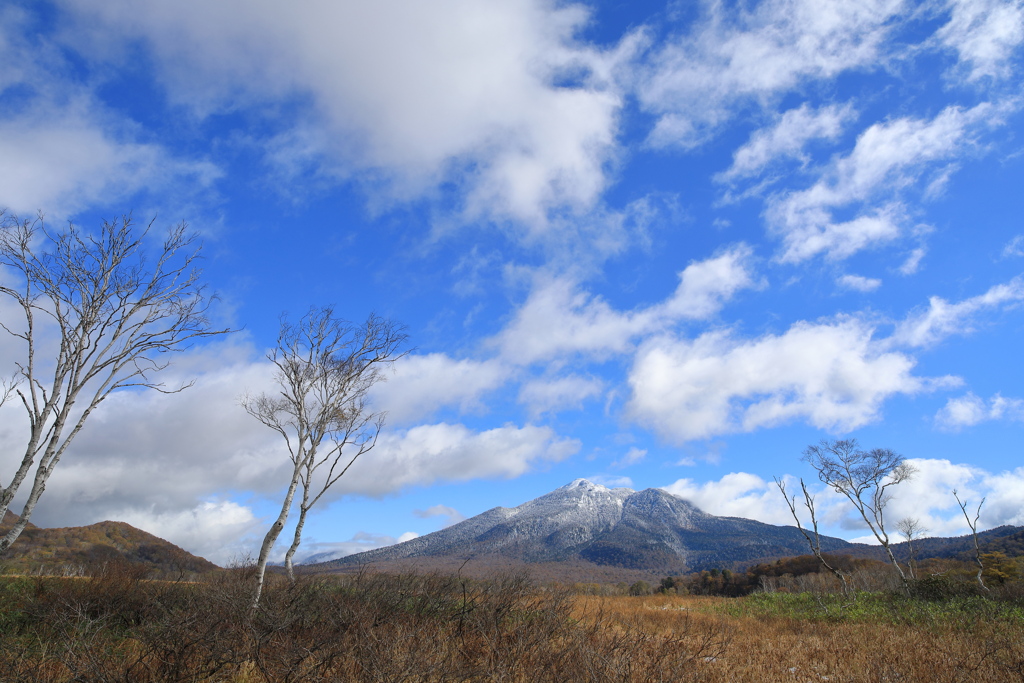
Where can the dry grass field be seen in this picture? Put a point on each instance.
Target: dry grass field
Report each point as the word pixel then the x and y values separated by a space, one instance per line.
pixel 116 626
pixel 895 642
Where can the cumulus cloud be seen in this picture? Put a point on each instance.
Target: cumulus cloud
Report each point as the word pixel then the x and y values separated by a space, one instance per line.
pixel 167 463
pixel 859 283
pixel 942 318
pixel 984 33
pixel 737 494
pixel 557 319
pixel 697 81
pixel 421 384
pixel 927 497
pixel 970 409
pixel 834 375
pixel 887 157
pixel 426 454
pixel 787 139
pixel 499 99
pixel 552 395
pixel 214 530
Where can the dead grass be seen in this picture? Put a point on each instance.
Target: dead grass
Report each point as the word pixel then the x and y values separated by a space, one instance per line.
pixel 776 648
pixel 387 628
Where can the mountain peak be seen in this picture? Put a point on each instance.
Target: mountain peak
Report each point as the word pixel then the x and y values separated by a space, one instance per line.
pixel 587 485
pixel 583 484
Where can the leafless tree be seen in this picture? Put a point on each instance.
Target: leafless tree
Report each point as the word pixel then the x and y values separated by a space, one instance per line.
pixel 815 540
pixel 325 367
pixel 865 478
pixel 911 530
pixel 95 315
pixel 973 523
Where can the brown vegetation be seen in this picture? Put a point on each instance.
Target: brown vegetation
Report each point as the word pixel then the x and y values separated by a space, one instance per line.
pixel 779 648
pixel 115 627
pixel 74 551
pixel 375 627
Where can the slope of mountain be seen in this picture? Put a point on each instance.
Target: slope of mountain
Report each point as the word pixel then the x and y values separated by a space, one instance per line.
pixel 651 530
pixel 86 548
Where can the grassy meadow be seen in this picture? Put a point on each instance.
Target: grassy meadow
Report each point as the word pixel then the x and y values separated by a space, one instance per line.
pixel 118 626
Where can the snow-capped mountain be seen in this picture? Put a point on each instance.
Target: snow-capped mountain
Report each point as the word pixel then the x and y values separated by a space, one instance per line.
pixel 651 530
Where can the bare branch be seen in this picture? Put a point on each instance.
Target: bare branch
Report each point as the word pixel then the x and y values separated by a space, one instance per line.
pixel 973 523
pixel 325 366
pixel 865 479
pixel 114 316
pixel 815 541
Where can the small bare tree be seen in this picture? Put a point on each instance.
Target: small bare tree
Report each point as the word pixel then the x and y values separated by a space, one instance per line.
pixel 865 478
pixel 813 541
pixel 325 367
pixel 973 523
pixel 109 316
pixel 911 530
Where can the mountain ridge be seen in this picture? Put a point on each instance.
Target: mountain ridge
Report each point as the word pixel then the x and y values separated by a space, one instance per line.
pixel 583 522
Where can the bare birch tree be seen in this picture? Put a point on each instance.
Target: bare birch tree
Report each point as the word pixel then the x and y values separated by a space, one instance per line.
pixel 865 478
pixel 325 367
pixel 974 532
pixel 94 316
pixel 813 541
pixel 911 530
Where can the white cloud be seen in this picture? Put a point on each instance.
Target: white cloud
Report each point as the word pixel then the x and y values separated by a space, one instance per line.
pixel 498 99
pixel 927 497
pixel 913 262
pixel 611 481
pixel 859 283
pixel 887 158
pixel 787 139
pixel 942 319
pixel 559 320
pixel 834 375
pixel 738 494
pixel 317 551
pixel 985 34
pixel 697 81
pixel 156 460
pixel 211 530
pixel 552 395
pixel 450 514
pixel 64 151
pixel 969 410
pixel 1014 247
pixel 67 162
pixel 632 457
pixel 426 454
pixel 424 383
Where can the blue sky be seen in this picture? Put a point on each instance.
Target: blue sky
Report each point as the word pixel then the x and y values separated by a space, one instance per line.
pixel 648 244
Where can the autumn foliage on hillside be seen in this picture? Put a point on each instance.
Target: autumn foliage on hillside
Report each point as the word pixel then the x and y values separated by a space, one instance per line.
pixel 86 549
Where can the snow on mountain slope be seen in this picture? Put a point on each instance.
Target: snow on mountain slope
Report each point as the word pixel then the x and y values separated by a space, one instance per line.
pixel 650 529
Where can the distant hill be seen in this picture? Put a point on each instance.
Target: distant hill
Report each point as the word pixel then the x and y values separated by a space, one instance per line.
pixel 86 548
pixel 1006 539
pixel 589 528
